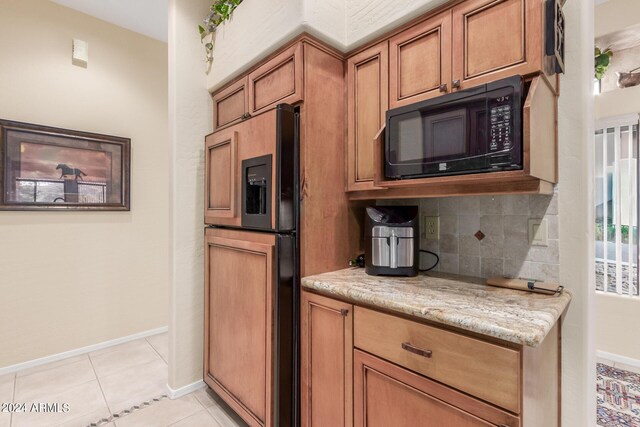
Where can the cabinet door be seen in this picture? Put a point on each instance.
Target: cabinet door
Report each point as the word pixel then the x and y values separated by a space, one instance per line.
pixel 239 274
pixel 326 363
pixel 221 163
pixel 420 61
pixel 367 103
pixel 387 395
pixel 231 104
pixel 493 39
pixel 278 81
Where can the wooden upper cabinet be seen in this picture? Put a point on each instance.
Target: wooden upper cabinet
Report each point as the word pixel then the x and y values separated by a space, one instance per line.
pixel 367 103
pixel 493 39
pixel 279 80
pixel 420 61
pixel 231 104
pixel 221 160
pixel 326 362
pixel 239 272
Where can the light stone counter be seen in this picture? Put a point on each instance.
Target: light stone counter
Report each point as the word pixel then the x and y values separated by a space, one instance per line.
pixel 462 302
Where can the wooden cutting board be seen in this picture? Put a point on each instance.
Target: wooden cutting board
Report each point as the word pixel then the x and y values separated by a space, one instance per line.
pixel 526 285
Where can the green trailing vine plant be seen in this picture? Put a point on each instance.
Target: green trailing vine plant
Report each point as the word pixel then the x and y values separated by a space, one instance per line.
pixel 219 12
pixel 602 62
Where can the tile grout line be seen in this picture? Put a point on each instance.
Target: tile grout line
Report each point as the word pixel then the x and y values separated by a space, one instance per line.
pixel 99 384
pixel 117 416
pixel 190 415
pixel 157 352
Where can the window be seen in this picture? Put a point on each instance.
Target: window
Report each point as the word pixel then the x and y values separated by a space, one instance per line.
pixel 616 205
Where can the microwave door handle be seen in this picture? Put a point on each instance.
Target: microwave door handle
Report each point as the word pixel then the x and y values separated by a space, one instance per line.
pixel 393 250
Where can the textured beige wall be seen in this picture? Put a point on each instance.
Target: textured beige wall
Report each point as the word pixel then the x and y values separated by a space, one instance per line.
pixel 72 279
pixel 190 120
pixel 575 217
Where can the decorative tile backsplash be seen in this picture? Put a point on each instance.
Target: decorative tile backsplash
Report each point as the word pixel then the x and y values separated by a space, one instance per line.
pixel 487 236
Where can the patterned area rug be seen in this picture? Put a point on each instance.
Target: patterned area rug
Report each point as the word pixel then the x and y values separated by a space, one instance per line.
pixel 618 397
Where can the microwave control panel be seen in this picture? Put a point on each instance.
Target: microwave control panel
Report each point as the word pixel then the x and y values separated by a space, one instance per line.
pixel 500 123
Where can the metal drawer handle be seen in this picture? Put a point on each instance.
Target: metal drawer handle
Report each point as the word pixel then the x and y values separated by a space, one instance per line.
pixel 407 346
pixel 443 87
pixel 455 84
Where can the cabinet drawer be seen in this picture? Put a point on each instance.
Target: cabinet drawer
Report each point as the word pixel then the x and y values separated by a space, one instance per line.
pixel 230 104
pixel 482 369
pixel 277 81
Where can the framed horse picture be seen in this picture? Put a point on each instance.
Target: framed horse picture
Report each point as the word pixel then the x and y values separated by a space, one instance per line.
pixel 46 168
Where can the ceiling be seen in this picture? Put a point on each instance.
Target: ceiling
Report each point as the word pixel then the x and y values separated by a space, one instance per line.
pixel 148 17
pixel 626 38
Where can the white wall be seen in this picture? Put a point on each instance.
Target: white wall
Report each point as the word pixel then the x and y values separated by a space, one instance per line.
pixel 72 279
pixel 575 217
pixel 345 24
pixel 190 120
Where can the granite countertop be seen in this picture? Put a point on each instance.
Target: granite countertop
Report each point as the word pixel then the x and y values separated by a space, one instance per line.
pixel 462 302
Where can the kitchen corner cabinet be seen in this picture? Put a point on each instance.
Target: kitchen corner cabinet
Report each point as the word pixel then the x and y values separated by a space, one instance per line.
pixel 326 362
pixel 367 103
pixel 404 372
pixel 239 272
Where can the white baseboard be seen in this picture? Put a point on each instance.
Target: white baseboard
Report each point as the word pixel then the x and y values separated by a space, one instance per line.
pixel 619 359
pixel 183 391
pixel 83 350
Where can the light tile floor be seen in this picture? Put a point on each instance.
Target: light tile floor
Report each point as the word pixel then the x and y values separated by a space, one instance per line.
pixel 106 382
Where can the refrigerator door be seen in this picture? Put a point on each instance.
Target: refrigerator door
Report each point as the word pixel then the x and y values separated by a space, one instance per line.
pixel 251 173
pixel 251 294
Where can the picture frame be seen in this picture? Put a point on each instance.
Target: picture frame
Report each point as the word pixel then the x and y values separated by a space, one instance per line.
pixel 54 169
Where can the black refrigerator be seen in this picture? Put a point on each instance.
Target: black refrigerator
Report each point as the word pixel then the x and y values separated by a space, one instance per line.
pixel 269 203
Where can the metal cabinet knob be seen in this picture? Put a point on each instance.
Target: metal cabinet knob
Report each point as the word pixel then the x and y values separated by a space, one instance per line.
pixel 443 87
pixel 455 84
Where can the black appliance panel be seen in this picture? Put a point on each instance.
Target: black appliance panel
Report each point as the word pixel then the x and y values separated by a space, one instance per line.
pixel 257 185
pixel 471 131
pixel 256 192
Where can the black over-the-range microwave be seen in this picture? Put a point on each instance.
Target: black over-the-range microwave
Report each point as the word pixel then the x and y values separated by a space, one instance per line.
pixel 471 131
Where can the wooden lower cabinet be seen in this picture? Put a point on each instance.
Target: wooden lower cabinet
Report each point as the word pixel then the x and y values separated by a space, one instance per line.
pixel 239 274
pixel 361 367
pixel 387 395
pixel 326 361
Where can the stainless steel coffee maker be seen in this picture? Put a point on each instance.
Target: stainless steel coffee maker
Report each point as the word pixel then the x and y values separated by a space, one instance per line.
pixel 391 246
